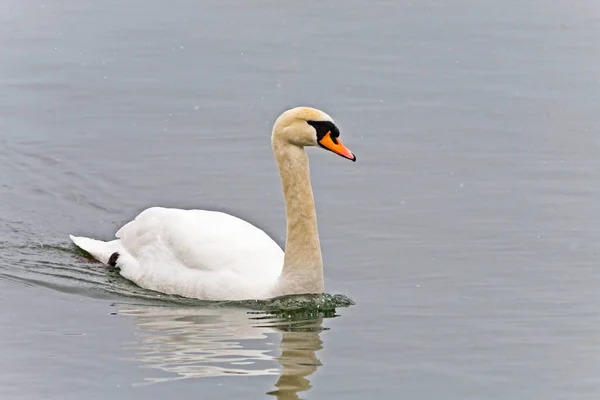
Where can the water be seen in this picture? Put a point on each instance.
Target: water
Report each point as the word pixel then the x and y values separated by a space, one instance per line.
pixel 467 233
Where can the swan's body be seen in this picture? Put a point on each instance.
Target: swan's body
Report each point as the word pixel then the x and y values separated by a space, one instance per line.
pixel 193 253
pixel 216 256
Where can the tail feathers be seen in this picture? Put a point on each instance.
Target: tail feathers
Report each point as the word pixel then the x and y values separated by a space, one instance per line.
pixel 101 251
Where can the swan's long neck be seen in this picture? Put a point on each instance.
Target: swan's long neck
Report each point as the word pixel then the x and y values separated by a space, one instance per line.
pixel 303 263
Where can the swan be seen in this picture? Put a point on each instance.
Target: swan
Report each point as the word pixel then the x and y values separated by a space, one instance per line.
pixel 211 255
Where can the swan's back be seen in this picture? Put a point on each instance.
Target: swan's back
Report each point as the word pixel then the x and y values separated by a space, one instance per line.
pixel 200 239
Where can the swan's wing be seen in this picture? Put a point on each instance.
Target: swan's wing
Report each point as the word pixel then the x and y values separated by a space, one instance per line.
pixel 193 253
pixel 209 241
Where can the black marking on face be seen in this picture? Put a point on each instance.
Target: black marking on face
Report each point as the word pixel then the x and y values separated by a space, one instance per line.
pixel 112 261
pixel 323 127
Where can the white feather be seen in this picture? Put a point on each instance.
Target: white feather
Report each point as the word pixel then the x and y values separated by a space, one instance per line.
pixel 193 253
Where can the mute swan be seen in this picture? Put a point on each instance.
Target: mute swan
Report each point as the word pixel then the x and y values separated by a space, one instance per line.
pixel 212 255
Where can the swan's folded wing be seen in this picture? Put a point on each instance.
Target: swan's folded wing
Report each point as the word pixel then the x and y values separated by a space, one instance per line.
pixel 202 240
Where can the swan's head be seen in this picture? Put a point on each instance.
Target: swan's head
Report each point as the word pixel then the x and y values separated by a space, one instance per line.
pixel 306 126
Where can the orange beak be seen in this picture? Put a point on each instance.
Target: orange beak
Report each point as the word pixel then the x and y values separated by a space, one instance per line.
pixel 336 146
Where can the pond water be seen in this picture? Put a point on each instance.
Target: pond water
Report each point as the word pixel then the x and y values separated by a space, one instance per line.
pixel 467 233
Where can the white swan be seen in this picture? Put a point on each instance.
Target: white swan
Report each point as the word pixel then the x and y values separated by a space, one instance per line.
pixel 211 255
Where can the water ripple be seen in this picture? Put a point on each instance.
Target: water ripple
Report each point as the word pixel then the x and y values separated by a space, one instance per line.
pixel 69 270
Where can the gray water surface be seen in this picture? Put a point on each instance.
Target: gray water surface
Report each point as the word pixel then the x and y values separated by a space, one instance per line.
pixel 467 233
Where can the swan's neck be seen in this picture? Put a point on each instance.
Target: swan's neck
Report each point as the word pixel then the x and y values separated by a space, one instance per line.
pixel 303 264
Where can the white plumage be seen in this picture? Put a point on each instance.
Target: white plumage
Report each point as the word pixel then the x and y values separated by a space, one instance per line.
pixel 193 253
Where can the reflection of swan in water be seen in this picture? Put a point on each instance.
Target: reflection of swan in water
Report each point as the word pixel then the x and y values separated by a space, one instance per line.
pixel 195 342
pixel 298 360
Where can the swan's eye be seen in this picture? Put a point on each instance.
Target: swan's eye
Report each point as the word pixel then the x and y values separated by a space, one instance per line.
pixel 325 127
